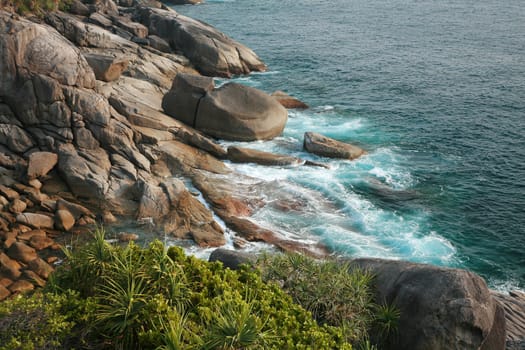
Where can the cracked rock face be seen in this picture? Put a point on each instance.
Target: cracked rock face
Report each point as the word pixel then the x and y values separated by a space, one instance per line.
pixel 212 52
pixel 231 112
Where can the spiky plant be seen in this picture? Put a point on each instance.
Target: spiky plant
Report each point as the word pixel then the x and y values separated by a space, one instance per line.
pixel 235 326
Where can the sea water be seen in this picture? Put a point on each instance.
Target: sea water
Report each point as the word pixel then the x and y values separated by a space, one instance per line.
pixel 433 90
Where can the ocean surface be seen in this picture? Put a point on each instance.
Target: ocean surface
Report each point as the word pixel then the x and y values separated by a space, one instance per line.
pixel 433 90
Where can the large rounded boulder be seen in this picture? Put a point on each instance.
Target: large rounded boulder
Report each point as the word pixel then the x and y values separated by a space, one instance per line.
pixel 232 112
pixel 441 308
pixel 238 112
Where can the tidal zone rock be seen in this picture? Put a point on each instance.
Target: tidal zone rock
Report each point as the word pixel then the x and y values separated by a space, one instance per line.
pixel 326 147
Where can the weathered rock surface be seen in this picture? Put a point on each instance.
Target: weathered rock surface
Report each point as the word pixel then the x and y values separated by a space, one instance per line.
pixel 36 220
pixel 21 252
pixel 64 220
pixel 40 163
pixel 212 52
pixel 326 147
pixel 238 112
pixel 233 111
pixel 106 68
pixel 514 306
pixel 246 155
pixel 183 99
pixel 8 267
pixel 288 101
pixel 441 308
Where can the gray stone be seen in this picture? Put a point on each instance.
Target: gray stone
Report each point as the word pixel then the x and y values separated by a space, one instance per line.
pixel 212 52
pixel 238 112
pixel 158 43
pixel 326 147
pixel 15 138
pixel 441 308
pixel 182 101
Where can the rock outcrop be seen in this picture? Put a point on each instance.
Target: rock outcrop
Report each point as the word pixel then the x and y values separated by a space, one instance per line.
pixel 326 147
pixel 514 305
pixel 441 308
pixel 246 155
pixel 231 112
pixel 212 52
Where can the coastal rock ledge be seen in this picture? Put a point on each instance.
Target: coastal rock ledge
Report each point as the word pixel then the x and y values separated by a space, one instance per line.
pixel 441 308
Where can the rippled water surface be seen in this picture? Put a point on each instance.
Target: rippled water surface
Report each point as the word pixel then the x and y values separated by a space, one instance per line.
pixel 433 90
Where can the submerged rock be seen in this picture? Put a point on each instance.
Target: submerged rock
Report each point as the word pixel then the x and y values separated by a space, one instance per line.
pixel 326 147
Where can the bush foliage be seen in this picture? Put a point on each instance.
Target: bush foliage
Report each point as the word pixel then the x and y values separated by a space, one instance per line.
pixel 112 297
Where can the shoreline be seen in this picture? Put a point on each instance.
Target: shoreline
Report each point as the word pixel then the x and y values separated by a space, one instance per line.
pixel 85 137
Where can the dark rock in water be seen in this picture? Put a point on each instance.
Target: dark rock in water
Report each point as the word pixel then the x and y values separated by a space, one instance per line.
pixel 232 259
pixel 212 52
pixel 326 147
pixel 238 112
pixel 514 306
pixel 246 155
pixel 288 101
pixel 441 308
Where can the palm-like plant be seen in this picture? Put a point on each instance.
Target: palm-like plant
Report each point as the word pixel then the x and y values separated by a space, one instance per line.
pixel 235 326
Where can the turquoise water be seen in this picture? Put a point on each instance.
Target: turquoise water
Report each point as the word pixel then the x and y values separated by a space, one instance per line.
pixel 433 90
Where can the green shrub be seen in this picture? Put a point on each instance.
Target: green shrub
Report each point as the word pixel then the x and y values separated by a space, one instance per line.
pixel 41 321
pixel 156 298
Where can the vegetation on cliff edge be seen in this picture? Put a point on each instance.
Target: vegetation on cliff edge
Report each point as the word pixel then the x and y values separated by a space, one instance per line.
pixel 106 296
